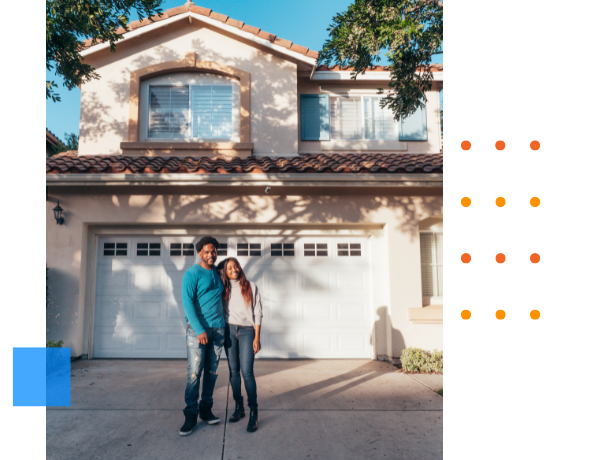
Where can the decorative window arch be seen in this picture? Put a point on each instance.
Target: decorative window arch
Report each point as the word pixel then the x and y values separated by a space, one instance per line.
pixel 190 64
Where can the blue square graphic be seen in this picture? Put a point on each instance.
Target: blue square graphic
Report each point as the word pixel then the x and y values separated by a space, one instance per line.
pixel 29 376
pixel 58 377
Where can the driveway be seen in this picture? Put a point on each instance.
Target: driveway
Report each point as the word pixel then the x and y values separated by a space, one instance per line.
pixel 308 409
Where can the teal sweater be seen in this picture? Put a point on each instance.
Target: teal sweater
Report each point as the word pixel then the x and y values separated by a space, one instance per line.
pixel 202 291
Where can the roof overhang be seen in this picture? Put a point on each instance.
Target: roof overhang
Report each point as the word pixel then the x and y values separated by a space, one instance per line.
pixel 370 76
pixel 228 180
pixel 213 23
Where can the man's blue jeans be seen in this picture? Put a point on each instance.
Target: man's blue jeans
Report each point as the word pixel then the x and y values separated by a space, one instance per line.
pixel 202 358
pixel 240 355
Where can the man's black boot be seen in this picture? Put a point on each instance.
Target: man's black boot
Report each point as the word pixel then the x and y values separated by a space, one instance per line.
pixel 253 422
pixel 191 420
pixel 207 416
pixel 238 413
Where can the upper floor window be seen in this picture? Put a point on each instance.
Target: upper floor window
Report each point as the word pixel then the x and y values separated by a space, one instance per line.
pixel 190 112
pixel 361 117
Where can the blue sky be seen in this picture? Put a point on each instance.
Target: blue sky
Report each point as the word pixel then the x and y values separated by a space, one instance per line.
pixel 304 22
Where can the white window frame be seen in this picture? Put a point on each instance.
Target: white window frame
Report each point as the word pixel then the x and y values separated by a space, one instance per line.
pixel 328 249
pixel 362 118
pixel 435 299
pixel 190 122
pixel 115 242
pixel 349 256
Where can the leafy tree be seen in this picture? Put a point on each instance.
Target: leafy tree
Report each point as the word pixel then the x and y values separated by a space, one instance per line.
pixel 68 22
pixel 71 142
pixel 409 32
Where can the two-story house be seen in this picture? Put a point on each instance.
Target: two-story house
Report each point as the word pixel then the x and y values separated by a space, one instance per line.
pixel 202 124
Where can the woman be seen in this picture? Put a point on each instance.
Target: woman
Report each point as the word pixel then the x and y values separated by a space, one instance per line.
pixel 243 315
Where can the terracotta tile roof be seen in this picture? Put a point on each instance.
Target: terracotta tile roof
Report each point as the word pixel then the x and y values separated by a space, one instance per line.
pixel 402 163
pixel 377 68
pixel 189 6
pixel 51 137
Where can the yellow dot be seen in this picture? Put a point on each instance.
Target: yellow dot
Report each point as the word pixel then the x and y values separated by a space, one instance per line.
pixel 500 314
pixel 500 201
pixel 466 202
pixel 465 314
pixel 535 202
pixel 535 314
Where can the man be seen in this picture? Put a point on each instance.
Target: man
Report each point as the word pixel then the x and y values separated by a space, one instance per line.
pixel 202 290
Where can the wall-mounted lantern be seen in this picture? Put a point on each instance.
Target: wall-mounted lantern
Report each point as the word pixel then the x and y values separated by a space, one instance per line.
pixel 58 214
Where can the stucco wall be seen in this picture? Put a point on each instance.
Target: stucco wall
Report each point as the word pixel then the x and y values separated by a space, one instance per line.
pixel 273 97
pixel 391 218
pixel 432 145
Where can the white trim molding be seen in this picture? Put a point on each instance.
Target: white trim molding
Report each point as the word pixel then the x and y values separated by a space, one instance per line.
pixel 212 22
pixel 228 180
pixel 368 76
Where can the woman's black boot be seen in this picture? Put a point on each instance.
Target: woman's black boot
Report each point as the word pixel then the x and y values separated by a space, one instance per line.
pixel 253 422
pixel 238 413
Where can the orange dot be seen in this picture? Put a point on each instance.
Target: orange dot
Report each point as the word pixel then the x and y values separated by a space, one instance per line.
pixel 535 202
pixel 466 201
pixel 465 314
pixel 535 258
pixel 535 145
pixel 500 258
pixel 500 314
pixel 466 145
pixel 500 145
pixel 535 314
pixel 466 258
pixel 500 201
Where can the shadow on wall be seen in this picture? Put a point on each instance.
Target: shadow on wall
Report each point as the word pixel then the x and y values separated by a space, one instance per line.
pixel 273 92
pixel 62 316
pixel 385 338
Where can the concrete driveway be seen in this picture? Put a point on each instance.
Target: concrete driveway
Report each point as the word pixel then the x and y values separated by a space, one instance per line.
pixel 308 409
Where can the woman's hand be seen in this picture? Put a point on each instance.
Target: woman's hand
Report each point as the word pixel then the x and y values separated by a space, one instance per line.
pixel 256 345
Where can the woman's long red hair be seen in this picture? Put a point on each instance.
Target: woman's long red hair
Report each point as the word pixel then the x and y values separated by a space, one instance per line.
pixel 244 283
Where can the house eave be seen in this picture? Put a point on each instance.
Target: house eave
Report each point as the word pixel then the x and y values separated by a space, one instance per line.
pixel 212 22
pixel 251 179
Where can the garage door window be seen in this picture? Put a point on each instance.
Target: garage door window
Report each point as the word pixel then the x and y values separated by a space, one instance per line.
pixel 222 249
pixel 315 249
pixel 349 249
pixel 115 249
pixel 148 249
pixel 182 249
pixel 249 249
pixel 282 249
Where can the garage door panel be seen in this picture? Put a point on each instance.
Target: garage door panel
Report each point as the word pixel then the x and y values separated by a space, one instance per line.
pixel 313 307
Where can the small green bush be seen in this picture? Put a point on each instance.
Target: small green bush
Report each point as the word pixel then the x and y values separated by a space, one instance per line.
pixel 441 392
pixel 421 361
pixel 51 344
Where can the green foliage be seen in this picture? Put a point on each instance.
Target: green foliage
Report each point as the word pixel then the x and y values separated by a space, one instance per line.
pixel 417 360
pixel 71 142
pixel 68 22
pixel 410 32
pixel 51 344
pixel 440 392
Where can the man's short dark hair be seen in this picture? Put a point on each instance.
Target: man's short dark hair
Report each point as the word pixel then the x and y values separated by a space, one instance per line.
pixel 206 240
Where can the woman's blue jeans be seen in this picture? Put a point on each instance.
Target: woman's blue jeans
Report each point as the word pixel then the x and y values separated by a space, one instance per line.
pixel 240 356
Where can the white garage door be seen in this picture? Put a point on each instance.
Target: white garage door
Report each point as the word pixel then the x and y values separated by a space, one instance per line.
pixel 316 295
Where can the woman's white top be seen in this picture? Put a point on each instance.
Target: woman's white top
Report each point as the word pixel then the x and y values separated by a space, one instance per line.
pixel 236 310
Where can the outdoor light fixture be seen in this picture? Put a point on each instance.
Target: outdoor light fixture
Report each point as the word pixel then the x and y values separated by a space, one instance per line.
pixel 268 189
pixel 58 214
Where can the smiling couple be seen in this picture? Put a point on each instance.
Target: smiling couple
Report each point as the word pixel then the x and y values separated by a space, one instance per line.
pixel 222 308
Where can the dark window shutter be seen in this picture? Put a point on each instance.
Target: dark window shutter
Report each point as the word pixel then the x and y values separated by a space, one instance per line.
pixel 314 117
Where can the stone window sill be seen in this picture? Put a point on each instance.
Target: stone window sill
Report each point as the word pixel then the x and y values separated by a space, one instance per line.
pixel 432 314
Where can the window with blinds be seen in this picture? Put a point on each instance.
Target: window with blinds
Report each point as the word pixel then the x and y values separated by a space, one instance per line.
pixel 432 275
pixel 169 112
pixel 196 112
pixel 361 117
pixel 346 121
pixel 379 123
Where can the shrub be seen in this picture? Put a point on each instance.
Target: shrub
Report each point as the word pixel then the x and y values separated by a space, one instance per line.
pixel 441 392
pixel 417 360
pixel 51 344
